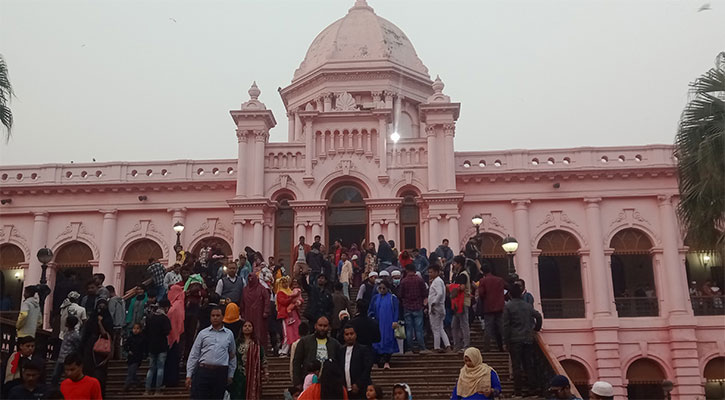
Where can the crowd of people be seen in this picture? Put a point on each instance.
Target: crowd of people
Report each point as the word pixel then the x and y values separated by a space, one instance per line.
pixel 223 317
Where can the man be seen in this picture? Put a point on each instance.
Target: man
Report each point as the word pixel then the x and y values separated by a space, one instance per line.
pixel 367 289
pixel 314 347
pixel 89 300
pixel 460 324
pixel 299 257
pixel 158 273
pixel 491 293
pixel 318 239
pixel 77 386
pixel 320 299
pixel 421 263
pixel 158 328
pixel 102 292
pixel 31 388
pixel 315 262
pixel 413 294
pixel 17 361
pixel 528 297
pixel 172 277
pixel 520 320
pixel 231 286
pixel 445 252
pixel 70 307
pixel 356 361
pixel 29 318
pixel 601 390
pixel 117 308
pixel 560 388
pixel 385 253
pixel 212 361
pixel 339 303
pixel 366 328
pixel 345 275
pixel 437 308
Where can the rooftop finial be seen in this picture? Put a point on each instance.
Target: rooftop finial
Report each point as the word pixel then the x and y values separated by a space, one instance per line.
pixel 361 4
pixel 438 85
pixel 254 91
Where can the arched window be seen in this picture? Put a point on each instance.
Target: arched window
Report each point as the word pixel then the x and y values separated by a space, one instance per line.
pixel 560 279
pixel 632 274
pixel 409 219
pixel 714 375
pixel 72 271
pixel 493 254
pixel 136 261
pixel 346 215
pixel 11 258
pixel 215 243
pixel 284 220
pixel 578 374
pixel 645 379
pixel 704 269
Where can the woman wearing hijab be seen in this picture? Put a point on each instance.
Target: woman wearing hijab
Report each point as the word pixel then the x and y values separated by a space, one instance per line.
pixel 477 380
pixel 256 308
pixel 176 316
pixel 401 391
pixel 384 309
pixel 251 366
pixel 330 385
pixel 371 261
pixel 100 324
pixel 232 321
pixel 288 303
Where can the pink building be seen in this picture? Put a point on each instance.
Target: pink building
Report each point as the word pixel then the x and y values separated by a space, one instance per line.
pixel 599 243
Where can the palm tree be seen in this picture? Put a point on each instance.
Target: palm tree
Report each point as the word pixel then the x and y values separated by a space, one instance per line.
pixel 6 92
pixel 700 152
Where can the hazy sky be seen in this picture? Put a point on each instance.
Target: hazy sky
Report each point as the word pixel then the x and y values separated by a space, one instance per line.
pixel 120 80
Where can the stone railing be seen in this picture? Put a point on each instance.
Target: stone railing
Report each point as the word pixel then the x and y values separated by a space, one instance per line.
pixel 547 366
pixel 284 156
pixel 408 152
pixel 565 159
pixel 329 143
pixel 121 172
pixel 636 306
pixel 562 308
pixel 45 344
pixel 708 305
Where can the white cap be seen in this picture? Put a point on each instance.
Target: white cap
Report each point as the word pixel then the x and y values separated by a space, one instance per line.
pixel 354 257
pixel 372 273
pixel 601 388
pixel 384 273
pixel 396 273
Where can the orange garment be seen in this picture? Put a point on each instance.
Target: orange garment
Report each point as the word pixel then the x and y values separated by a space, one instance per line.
pixel 314 392
pixel 457 301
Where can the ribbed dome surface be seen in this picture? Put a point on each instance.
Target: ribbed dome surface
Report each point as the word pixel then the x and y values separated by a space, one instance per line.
pixel 361 36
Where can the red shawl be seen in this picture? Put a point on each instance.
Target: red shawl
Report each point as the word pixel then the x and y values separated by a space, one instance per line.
pixel 253 371
pixel 176 313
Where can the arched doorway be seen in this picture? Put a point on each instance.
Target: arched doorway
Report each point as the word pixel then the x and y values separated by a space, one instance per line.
pixel 215 243
pixel 72 271
pixel 714 375
pixel 560 279
pixel 11 258
pixel 632 274
pixel 578 374
pixel 284 221
pixel 346 215
pixel 136 261
pixel 493 254
pixel 409 222
pixel 645 378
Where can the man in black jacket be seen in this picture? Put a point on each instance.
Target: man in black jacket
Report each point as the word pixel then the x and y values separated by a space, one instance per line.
pixel 317 346
pixel 320 298
pixel 366 329
pixel 356 361
pixel 315 262
pixel 520 320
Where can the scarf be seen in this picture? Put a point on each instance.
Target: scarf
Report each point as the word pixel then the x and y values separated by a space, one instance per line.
pixel 176 313
pixel 129 316
pixel 231 313
pixel 474 379
pixel 253 370
pixel 196 278
pixel 284 285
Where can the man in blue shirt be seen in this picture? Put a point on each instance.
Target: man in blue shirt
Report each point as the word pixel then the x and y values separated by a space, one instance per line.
pixel 212 361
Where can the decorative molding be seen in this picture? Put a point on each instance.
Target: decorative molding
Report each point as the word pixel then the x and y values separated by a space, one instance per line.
pixel 345 166
pixel 10 234
pixel 345 102
pixel 557 218
pixel 629 215
pixel 77 231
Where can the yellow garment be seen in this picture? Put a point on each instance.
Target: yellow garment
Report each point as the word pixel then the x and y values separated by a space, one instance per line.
pixel 474 379
pixel 231 315
pixel 282 285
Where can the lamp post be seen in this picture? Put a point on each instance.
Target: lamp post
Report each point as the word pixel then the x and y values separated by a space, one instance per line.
pixel 44 256
pixel 178 228
pixel 477 220
pixel 510 245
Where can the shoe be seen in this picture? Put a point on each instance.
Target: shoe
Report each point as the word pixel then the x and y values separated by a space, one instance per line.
pixel 424 352
pixel 449 349
pixel 146 393
pixel 387 366
pixel 439 351
pixel 416 352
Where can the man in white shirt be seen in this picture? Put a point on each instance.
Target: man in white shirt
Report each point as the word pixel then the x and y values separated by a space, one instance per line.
pixel 437 308
pixel 172 277
pixel 356 361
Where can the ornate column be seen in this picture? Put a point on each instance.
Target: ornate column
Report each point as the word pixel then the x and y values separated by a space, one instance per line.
pixel 301 231
pixel 242 171
pixel 676 287
pixel 433 158
pixel 260 137
pixel 393 232
pixel 434 238
pixel 238 245
pixel 298 127
pixel 290 126
pixel 108 245
pixel 257 235
pixel 453 233
pixel 269 240
pixel 601 297
pixel 327 102
pixel 383 146
pixel 449 183
pixel 522 232
pixel 40 238
pixel 307 132
pixel 316 230
pixel 376 230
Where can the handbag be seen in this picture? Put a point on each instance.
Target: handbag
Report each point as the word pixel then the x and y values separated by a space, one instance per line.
pixel 400 332
pixel 102 345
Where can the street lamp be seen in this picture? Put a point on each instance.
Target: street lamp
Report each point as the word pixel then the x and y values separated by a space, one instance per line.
pixel 178 228
pixel 44 256
pixel 477 220
pixel 510 245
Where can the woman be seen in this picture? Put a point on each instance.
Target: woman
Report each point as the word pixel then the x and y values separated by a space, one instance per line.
pixel 256 308
pixel 384 309
pixel 401 391
pixel 99 325
pixel 371 262
pixel 405 259
pixel 251 366
pixel 476 381
pixel 176 316
pixel 194 293
pixel 288 304
pixel 232 320
pixel 330 386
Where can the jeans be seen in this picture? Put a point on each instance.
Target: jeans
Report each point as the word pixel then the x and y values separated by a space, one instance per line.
pixel 414 325
pixel 131 374
pixel 461 330
pixel 522 364
pixel 436 325
pixel 494 329
pixel 346 289
pixel 156 369
pixel 57 371
pixel 209 383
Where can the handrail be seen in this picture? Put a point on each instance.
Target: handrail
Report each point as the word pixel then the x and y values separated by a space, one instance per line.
pixel 555 364
pixel 131 292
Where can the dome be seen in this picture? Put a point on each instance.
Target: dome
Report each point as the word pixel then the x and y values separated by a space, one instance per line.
pixel 361 36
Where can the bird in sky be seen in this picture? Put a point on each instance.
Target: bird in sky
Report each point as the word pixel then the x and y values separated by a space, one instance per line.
pixel 704 7
pixel 172 19
pixel 94 160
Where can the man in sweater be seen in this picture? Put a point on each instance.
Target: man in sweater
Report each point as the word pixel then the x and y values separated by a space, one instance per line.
pixel 29 318
pixel 491 292
pixel 77 386
pixel 231 286
pixel 460 324
pixel 520 320
pixel 413 295
pixel 317 346
pixel 437 308
pixel 117 308
pixel 385 253
pixel 157 330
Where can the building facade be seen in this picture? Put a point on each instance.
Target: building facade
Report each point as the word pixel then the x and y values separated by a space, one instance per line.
pixel 599 243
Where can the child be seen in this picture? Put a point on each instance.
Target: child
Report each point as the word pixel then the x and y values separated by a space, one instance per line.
pixel 71 344
pixel 374 392
pixel 31 388
pixel 17 361
pixel 313 372
pixel 135 346
pixel 292 393
pixel 457 291
pixel 77 386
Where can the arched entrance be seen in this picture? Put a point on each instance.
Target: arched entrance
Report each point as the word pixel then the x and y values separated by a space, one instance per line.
pixel 284 221
pixel 578 374
pixel 632 274
pixel 409 222
pixel 11 279
pixel 714 375
pixel 645 378
pixel 560 279
pixel 215 243
pixel 72 271
pixel 493 254
pixel 136 261
pixel 346 215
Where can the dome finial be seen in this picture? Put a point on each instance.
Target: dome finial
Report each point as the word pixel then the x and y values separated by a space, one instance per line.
pixel 254 91
pixel 361 4
pixel 438 85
